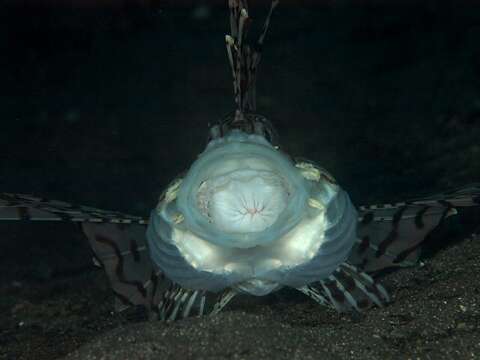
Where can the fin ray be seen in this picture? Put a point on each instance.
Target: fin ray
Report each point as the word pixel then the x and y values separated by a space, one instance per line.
pixel 347 289
pixel 21 207
pixel 391 235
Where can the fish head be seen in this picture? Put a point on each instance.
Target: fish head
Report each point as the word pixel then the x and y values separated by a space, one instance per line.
pixel 246 215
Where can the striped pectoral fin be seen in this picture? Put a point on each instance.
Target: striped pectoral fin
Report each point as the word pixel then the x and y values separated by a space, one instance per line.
pixel 347 289
pixel 23 207
pixel 179 303
pixel 122 251
pixel 117 239
pixel 391 235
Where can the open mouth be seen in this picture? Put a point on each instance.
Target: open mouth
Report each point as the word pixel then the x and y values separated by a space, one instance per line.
pixel 243 201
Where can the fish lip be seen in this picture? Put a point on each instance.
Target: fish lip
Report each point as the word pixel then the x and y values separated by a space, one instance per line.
pixel 196 222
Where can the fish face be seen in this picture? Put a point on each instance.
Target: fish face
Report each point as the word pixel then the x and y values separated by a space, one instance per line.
pixel 246 216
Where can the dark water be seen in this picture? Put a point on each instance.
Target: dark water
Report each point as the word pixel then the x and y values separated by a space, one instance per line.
pixel 104 105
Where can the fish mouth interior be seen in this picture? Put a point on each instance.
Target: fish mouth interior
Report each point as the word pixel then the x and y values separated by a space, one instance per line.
pixel 244 200
pixel 241 193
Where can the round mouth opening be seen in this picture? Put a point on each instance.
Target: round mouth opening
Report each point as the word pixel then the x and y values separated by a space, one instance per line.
pixel 243 201
pixel 242 193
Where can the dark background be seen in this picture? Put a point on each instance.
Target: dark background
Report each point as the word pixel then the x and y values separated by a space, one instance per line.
pixel 105 104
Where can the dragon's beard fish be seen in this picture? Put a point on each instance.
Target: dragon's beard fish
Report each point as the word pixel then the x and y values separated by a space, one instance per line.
pixel 247 218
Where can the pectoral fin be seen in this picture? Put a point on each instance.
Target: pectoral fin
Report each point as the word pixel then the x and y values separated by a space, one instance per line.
pixel 178 302
pixel 22 207
pixel 347 289
pixel 122 251
pixel 391 235
pixel 117 239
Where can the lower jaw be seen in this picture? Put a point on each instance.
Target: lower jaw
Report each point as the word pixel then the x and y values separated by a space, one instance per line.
pixel 258 287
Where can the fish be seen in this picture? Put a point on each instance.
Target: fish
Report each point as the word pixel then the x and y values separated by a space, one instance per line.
pixel 248 219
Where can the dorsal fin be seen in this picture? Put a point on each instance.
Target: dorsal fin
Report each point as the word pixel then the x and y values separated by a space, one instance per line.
pixel 243 58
